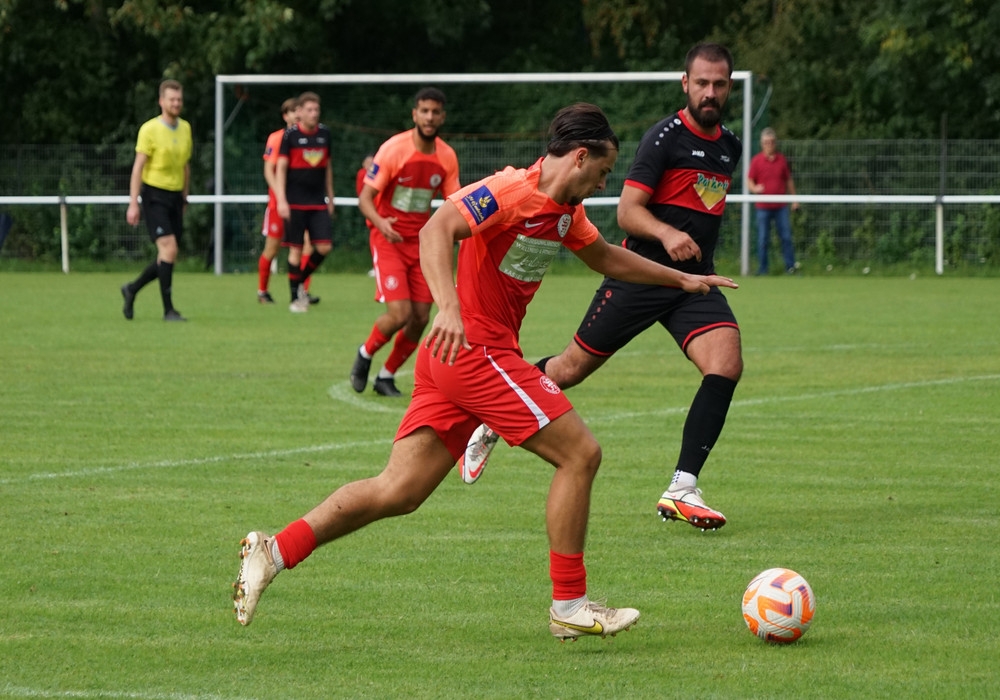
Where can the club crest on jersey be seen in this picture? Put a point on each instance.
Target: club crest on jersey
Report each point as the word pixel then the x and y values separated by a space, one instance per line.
pixel 481 204
pixel 711 190
pixel 549 385
pixel 563 226
pixel 313 156
pixel 435 181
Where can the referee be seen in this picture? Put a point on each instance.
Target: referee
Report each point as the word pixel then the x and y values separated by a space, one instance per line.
pixel 161 175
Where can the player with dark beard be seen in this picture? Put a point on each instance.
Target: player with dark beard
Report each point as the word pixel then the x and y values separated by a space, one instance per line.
pixel 409 170
pixel 671 207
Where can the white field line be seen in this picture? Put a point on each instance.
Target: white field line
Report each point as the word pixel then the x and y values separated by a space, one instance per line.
pixel 594 418
pixel 12 691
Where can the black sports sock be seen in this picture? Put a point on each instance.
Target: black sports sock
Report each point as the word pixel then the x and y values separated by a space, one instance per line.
pixel 145 277
pixel 704 421
pixel 294 278
pixel 315 260
pixel 165 273
pixel 542 362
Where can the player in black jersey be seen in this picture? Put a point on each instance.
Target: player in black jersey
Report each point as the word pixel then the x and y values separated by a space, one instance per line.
pixel 671 207
pixel 303 190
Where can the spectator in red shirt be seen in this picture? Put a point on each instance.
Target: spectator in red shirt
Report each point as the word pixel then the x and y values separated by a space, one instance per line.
pixel 770 174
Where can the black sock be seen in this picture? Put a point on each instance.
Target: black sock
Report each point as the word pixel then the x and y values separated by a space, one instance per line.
pixel 704 421
pixel 147 276
pixel 294 278
pixel 165 273
pixel 542 362
pixel 315 260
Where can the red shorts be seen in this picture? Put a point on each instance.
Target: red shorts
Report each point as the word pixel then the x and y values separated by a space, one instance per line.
pixel 274 225
pixel 496 386
pixel 397 270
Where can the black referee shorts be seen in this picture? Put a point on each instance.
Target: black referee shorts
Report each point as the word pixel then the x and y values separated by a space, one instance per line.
pixel 163 211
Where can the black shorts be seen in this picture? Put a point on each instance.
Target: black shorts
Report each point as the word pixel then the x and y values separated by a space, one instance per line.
pixel 163 211
pixel 620 311
pixel 315 221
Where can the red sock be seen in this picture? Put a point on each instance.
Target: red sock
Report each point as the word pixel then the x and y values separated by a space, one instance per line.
pixel 401 349
pixel 375 341
pixel 305 285
pixel 295 542
pixel 569 576
pixel 263 273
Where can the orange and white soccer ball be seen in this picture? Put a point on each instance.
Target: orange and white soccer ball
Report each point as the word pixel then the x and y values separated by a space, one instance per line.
pixel 778 605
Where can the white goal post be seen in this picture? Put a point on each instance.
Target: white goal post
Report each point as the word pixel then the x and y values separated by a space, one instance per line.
pixel 466 78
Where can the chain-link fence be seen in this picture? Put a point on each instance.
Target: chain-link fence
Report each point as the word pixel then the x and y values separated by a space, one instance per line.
pixel 826 234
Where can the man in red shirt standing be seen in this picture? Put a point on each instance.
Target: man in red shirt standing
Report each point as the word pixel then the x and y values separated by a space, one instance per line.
pixel 471 369
pixel 409 170
pixel 770 174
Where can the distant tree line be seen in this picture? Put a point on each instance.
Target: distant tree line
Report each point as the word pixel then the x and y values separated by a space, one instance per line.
pixel 86 71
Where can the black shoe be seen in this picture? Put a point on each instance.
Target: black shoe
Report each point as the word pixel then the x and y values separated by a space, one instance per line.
pixel 265 298
pixel 359 372
pixel 173 315
pixel 313 300
pixel 129 296
pixel 386 386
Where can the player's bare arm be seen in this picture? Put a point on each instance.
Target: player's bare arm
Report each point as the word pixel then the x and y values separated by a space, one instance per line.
pixel 636 220
pixel 280 180
pixel 437 244
pixel 621 263
pixel 366 203
pixel 329 189
pixel 134 185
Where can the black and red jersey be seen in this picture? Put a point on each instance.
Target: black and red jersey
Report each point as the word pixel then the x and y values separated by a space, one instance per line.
pixel 687 176
pixel 308 155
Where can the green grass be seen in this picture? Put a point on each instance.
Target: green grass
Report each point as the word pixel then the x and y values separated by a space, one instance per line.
pixel 861 450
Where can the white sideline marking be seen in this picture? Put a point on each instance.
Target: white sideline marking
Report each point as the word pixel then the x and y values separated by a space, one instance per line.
pixel 594 418
pixel 16 692
pixel 344 392
pixel 170 463
pixel 804 397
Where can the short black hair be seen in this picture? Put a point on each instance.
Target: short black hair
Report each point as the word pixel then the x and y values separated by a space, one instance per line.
pixel 580 124
pixel 710 52
pixel 429 93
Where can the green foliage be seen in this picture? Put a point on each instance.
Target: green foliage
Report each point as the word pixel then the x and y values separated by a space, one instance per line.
pixel 155 447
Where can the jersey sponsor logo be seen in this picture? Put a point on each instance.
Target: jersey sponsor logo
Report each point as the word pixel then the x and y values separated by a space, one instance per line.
pixel 549 385
pixel 313 156
pixel 563 226
pixel 528 258
pixel 481 203
pixel 710 189
pixel 411 199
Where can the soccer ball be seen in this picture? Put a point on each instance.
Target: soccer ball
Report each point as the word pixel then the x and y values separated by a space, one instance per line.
pixel 778 605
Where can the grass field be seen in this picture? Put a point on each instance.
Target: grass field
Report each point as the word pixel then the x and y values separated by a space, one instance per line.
pixel 862 450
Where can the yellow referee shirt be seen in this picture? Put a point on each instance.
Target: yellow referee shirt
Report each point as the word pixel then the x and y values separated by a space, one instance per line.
pixel 168 149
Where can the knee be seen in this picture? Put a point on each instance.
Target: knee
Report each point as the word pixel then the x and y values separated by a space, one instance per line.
pixel 323 248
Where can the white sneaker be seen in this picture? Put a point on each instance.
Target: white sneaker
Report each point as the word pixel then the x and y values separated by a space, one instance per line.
pixel 257 570
pixel 593 619
pixel 301 303
pixel 472 463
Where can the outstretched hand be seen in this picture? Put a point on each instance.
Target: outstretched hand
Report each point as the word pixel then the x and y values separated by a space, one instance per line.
pixel 701 284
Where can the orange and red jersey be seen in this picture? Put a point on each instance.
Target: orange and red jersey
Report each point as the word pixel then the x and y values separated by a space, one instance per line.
pixel 516 233
pixel 271 149
pixel 308 155
pixel 408 180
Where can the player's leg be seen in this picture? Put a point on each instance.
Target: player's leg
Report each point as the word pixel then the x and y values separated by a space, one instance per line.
pixel 417 464
pixel 273 231
pixel 717 355
pixel 320 232
pixel 571 448
pixel 307 249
